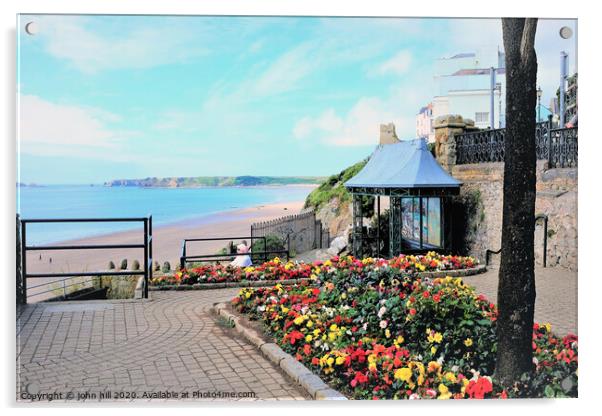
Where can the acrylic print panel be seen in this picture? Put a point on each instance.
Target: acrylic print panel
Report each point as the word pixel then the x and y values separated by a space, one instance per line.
pixel 169 166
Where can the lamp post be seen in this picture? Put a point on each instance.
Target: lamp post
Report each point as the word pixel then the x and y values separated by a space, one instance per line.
pixel 539 92
pixel 491 99
pixel 563 76
pixel 498 87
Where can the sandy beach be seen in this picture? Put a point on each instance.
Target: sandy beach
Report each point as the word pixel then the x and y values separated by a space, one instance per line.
pixel 167 240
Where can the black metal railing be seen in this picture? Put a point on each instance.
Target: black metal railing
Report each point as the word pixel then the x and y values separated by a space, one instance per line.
pixel 557 146
pixel 147 245
pixel 186 258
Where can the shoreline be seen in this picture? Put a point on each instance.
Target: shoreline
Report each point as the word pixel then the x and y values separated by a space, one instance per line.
pixel 167 240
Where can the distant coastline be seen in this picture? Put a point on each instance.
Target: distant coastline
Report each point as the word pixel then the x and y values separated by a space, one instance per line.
pixel 216 181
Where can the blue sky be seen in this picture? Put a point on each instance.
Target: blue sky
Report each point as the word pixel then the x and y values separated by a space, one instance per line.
pixel 104 97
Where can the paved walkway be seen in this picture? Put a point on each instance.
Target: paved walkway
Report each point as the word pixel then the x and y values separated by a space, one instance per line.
pixel 169 343
pixel 172 343
pixel 556 299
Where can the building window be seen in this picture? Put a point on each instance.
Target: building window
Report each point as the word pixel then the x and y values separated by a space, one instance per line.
pixel 481 117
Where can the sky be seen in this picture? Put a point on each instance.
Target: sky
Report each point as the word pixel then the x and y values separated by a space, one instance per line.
pixel 107 97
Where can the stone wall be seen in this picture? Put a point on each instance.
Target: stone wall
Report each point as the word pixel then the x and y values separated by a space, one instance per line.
pixel 556 198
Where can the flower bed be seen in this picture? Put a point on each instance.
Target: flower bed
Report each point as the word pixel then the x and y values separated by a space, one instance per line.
pixel 276 270
pixel 379 333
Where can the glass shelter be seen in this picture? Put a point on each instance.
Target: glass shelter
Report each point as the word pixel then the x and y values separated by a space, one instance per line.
pixel 418 189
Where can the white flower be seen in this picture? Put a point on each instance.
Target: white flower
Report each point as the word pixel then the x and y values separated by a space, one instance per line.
pixel 382 311
pixel 383 324
pixel 414 396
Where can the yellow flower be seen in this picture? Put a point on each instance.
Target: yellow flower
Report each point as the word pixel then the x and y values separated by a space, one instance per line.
pixel 340 360
pixel 316 332
pixel 330 361
pixel 398 341
pixel 284 309
pixel 403 374
pixel 309 338
pixel 444 393
pixel 433 366
pixel 299 320
pixel 387 333
pixel 548 327
pixel 451 377
pixel 333 327
pixel 468 342
pixel 309 324
pixel 436 337
pixel 433 350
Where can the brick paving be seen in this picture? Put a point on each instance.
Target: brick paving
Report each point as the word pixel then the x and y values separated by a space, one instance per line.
pixel 169 343
pixel 556 295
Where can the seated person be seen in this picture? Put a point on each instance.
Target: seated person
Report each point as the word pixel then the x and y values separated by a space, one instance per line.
pixel 242 261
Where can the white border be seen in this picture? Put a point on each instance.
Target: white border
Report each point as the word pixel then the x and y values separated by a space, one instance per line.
pixel 589 170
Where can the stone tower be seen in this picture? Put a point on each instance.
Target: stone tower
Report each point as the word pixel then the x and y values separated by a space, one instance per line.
pixel 387 134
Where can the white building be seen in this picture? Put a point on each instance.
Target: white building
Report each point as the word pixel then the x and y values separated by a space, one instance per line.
pixel 424 123
pixel 463 86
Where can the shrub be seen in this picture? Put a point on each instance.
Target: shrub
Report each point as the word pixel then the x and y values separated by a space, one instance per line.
pixel 156 266
pixel 272 242
pixel 135 265
pixel 124 264
pixel 111 265
pixel 166 267
pixel 333 187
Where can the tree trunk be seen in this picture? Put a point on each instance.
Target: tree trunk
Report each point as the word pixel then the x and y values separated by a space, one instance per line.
pixel 516 290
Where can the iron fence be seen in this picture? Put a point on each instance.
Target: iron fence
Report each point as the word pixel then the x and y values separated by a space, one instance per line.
pixel 303 230
pixel 147 245
pixel 557 146
pixel 186 258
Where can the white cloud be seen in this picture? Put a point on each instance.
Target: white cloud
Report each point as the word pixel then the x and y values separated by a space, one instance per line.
pixel 47 128
pixel 396 65
pixel 286 72
pixel 359 126
pixel 70 38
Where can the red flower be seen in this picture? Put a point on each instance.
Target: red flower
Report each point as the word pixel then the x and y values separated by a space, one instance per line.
pixel 412 311
pixel 295 336
pixel 478 389
pixel 360 378
pixel 436 298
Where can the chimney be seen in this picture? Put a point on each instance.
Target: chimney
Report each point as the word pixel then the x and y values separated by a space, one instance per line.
pixel 387 134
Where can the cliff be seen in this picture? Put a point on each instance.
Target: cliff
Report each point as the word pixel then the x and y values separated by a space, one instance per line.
pixel 202 181
pixel 331 201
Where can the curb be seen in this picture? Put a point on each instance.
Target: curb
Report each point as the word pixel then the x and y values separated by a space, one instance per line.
pixel 222 285
pixel 269 283
pixel 481 268
pixel 303 376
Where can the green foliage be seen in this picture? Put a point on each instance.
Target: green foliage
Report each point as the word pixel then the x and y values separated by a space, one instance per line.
pixel 166 267
pixel 135 265
pixel 333 187
pixel 273 242
pixel 124 264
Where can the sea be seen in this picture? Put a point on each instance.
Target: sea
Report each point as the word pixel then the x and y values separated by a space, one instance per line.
pixel 166 205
